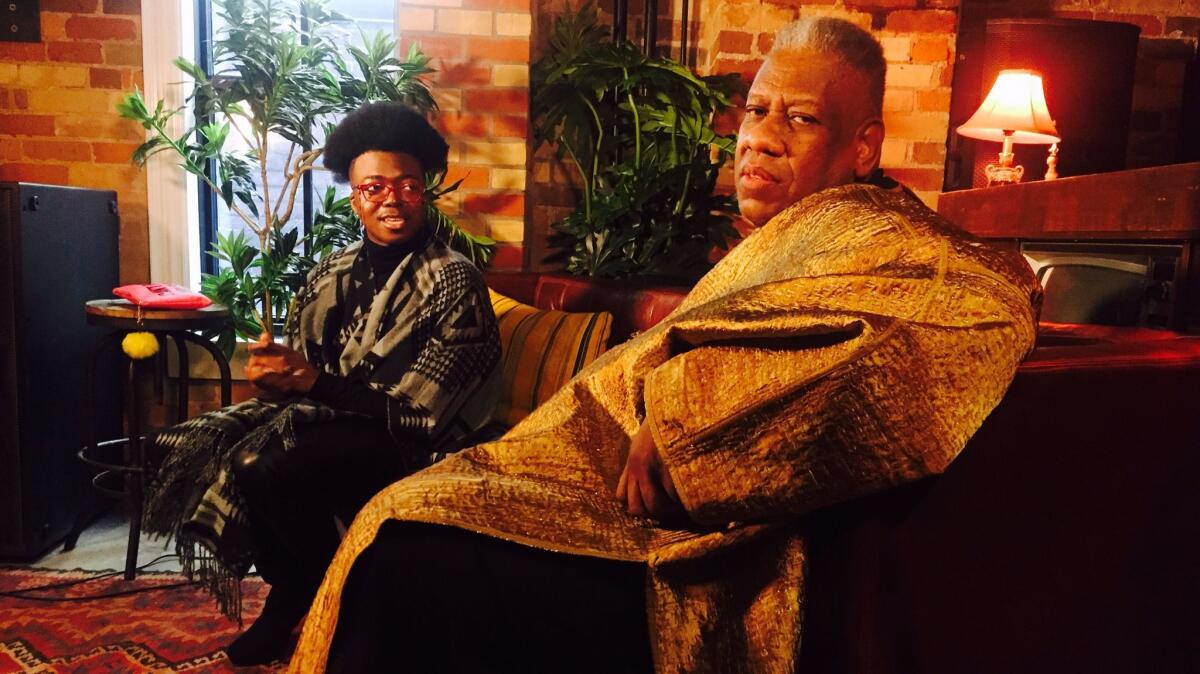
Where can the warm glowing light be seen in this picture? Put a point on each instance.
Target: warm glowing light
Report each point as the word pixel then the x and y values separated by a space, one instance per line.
pixel 1013 112
pixel 1016 105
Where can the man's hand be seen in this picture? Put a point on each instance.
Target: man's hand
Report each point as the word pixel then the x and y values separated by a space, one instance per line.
pixel 645 486
pixel 278 370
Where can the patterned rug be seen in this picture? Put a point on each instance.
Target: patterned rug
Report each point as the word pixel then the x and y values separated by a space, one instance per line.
pixel 176 629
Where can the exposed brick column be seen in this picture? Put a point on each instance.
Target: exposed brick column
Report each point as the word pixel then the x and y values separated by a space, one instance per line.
pixel 58 124
pixel 481 51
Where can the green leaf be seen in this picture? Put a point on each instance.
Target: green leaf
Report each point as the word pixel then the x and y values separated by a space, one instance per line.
pixel 638 130
pixel 133 106
pixel 148 149
pixel 191 69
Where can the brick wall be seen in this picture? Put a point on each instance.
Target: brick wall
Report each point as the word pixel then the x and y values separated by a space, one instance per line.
pixel 57 122
pixel 481 51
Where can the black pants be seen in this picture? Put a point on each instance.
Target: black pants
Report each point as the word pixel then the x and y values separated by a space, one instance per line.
pixel 440 600
pixel 292 497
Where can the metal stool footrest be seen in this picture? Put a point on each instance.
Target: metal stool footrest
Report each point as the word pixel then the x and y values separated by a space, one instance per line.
pixel 109 469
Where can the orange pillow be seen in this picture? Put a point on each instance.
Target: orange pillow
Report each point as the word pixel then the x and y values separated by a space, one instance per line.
pixel 542 351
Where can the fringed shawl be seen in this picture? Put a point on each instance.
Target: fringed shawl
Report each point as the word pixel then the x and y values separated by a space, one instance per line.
pixel 427 338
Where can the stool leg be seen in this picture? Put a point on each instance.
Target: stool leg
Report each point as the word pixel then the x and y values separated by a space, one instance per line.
pixel 81 521
pixel 133 481
pixel 222 366
pixel 84 515
pixel 160 367
pixel 184 377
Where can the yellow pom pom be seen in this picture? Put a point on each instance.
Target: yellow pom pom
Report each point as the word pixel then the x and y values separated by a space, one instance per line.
pixel 139 345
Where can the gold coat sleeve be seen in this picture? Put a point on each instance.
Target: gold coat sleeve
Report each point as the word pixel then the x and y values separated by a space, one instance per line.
pixel 800 393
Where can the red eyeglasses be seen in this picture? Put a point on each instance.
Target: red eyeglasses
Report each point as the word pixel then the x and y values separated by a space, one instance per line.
pixel 376 191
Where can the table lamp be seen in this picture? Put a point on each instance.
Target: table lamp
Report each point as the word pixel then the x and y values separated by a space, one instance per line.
pixel 1013 112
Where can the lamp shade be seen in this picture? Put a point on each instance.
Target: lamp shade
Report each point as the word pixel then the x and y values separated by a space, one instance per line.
pixel 1016 104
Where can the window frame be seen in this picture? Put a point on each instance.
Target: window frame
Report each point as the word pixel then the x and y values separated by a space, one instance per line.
pixel 205 197
pixel 178 246
pixel 174 246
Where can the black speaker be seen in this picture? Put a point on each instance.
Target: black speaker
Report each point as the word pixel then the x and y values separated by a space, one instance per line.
pixel 58 249
pixel 1088 72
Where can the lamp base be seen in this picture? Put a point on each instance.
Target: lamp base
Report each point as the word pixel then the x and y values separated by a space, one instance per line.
pixel 1052 163
pixel 999 174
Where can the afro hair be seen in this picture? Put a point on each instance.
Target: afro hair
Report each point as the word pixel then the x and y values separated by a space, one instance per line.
pixel 385 127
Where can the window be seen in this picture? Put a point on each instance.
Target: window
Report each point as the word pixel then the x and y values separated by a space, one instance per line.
pixel 369 16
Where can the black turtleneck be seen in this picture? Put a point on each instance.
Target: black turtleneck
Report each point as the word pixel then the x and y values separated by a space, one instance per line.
pixel 384 259
pixel 353 395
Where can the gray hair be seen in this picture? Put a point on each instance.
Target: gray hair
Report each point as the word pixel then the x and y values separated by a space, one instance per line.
pixel 856 47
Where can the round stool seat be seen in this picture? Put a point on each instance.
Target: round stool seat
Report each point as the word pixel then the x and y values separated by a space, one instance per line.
pixel 125 315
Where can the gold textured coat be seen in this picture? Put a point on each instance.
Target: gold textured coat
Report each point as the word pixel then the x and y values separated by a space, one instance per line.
pixel 854 342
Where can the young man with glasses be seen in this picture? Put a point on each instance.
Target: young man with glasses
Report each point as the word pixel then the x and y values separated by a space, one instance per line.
pixel 391 355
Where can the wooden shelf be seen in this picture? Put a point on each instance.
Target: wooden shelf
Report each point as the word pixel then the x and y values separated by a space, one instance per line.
pixel 1156 203
pixel 1151 205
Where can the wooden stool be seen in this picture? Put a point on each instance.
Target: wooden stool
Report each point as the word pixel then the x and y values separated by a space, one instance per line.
pixel 125 318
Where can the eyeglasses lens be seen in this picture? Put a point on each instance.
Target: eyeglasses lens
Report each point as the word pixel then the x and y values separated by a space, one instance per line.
pixel 378 192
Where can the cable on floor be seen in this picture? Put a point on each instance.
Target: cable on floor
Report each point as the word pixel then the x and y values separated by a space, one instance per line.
pixel 24 593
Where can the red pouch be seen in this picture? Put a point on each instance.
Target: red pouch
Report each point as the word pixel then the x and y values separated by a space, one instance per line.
pixel 162 296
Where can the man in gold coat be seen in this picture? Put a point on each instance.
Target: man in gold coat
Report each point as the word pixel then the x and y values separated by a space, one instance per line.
pixel 853 342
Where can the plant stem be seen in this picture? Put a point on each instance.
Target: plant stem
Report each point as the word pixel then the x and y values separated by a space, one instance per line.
pixel 240 132
pixel 257 316
pixel 587 187
pixel 264 237
pixel 182 152
pixel 687 179
pixel 287 176
pixel 304 164
pixel 595 154
pixel 637 124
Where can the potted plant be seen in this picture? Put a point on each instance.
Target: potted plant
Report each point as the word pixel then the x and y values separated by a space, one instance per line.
pixel 279 79
pixel 639 132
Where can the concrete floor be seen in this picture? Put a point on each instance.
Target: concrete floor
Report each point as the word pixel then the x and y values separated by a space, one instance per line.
pixel 101 547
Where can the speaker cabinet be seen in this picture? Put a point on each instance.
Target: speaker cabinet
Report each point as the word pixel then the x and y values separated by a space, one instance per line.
pixel 58 249
pixel 1088 70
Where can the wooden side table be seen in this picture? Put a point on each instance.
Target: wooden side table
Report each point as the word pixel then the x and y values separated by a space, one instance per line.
pixel 124 317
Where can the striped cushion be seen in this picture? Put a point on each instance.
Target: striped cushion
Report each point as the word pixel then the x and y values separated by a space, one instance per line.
pixel 542 351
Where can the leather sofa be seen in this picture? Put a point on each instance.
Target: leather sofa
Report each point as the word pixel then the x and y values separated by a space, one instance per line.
pixel 1065 537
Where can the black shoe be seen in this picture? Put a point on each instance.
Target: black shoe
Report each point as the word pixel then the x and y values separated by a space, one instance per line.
pixel 269 638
